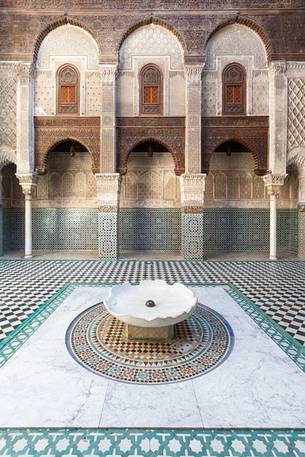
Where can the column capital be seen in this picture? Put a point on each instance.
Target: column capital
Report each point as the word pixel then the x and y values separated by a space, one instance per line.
pixel 193 73
pixel 108 191
pixel 273 182
pixel 278 67
pixel 27 181
pixel 108 73
pixel 25 71
pixel 192 190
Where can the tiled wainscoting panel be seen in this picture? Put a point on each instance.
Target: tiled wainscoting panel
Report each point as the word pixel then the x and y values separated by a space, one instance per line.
pixel 224 230
pixel 1 230
pixel 53 228
pixel 302 235
pixel 149 229
pixel 233 230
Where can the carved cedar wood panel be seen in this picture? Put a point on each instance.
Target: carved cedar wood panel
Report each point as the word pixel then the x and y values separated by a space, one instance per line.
pixel 252 132
pixel 169 131
pixel 53 130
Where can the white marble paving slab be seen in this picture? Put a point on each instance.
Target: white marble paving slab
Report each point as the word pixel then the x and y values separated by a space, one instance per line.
pixel 171 405
pixel 257 386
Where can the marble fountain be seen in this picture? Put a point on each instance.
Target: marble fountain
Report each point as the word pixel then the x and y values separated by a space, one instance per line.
pixel 150 309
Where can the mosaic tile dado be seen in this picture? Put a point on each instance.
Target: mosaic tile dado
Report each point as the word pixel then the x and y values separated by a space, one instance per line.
pixel 97 341
pixel 151 443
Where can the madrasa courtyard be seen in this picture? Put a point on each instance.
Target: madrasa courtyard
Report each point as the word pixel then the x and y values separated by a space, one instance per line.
pixel 152 228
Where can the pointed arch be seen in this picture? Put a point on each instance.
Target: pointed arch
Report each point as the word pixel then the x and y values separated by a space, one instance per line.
pixel 54 25
pixel 251 25
pixel 152 20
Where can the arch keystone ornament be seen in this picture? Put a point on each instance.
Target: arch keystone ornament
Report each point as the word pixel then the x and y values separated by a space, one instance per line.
pixel 108 196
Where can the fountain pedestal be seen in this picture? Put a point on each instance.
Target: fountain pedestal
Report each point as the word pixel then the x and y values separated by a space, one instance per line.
pixel 132 332
pixel 151 308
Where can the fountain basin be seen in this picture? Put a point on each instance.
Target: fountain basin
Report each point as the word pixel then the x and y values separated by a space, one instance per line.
pixel 173 303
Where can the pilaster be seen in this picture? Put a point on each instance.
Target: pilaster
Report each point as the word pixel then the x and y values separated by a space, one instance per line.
pixel 108 119
pixel 25 122
pixel 277 117
pixel 193 118
pixel 192 202
pixel 108 195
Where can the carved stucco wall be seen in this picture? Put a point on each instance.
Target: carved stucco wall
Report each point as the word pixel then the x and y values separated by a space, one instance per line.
pixel 150 182
pixel 296 113
pixel 68 44
pixel 231 182
pixel 235 43
pixel 151 44
pixel 8 109
pixel 68 183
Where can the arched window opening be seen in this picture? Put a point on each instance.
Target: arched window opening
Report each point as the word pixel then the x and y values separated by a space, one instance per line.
pixel 234 89
pixel 151 90
pixel 67 90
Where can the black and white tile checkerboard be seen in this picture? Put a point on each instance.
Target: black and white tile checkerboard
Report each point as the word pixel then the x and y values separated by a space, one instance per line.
pixel 277 287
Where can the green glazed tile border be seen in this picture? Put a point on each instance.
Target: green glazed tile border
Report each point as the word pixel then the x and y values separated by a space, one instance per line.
pixel 151 443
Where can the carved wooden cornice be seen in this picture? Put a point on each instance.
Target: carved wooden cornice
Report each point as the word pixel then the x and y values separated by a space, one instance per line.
pixel 52 130
pixel 168 131
pixel 249 131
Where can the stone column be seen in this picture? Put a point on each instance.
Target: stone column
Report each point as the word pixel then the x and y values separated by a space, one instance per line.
pixel 27 181
pixel 108 120
pixel 273 183
pixel 193 118
pixel 192 201
pixel 108 195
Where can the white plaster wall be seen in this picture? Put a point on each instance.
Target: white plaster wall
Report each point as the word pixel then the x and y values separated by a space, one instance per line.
pixel 68 44
pixel 236 43
pixel 151 44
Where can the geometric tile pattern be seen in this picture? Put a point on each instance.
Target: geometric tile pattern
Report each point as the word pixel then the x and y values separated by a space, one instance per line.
pixel 96 340
pixel 277 288
pixel 236 230
pixel 192 241
pixel 155 229
pixel 53 228
pixel 216 230
pixel 107 235
pixel 151 443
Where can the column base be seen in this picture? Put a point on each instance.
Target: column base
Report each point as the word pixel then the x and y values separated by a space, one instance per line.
pixel 192 235
pixel 28 256
pixel 272 258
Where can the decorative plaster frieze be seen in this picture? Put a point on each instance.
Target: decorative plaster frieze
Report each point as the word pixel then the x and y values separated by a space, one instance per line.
pixel 108 189
pixel 192 189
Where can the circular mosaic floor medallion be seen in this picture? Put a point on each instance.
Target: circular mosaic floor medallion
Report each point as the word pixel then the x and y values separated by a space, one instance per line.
pixel 97 340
